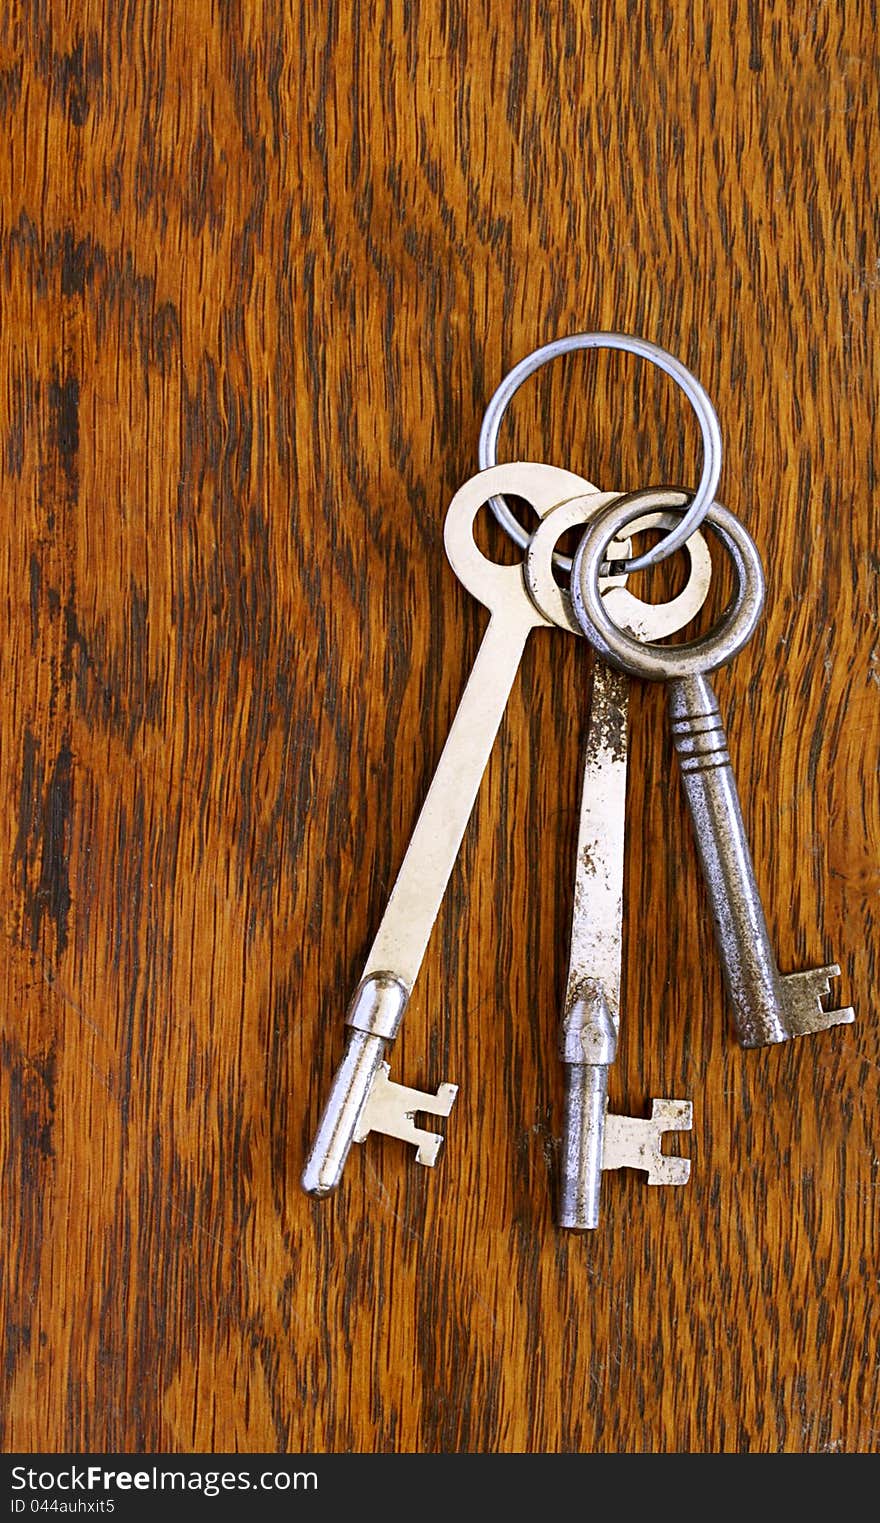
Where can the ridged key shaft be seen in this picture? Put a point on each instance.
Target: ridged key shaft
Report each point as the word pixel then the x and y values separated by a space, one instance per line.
pixel 767 1006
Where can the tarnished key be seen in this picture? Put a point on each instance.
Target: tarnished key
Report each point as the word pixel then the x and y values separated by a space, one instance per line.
pixel 593 1140
pixel 362 1097
pixel 768 1006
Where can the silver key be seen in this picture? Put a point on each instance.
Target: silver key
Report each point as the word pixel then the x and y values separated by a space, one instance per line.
pixel 768 1007
pixel 362 1097
pixel 592 1140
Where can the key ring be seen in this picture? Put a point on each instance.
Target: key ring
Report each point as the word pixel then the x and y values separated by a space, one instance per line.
pixel 646 659
pixel 649 621
pixel 695 393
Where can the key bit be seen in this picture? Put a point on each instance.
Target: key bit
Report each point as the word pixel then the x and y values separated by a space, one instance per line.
pixel 636 1143
pixel 391 1109
pixel 802 995
pixel 362 1098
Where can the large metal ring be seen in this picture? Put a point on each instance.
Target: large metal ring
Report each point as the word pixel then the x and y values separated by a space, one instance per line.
pixel 663 663
pixel 698 398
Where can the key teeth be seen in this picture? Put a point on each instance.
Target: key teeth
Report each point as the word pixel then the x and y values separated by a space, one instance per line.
pixel 671 1116
pixel 446 1098
pixel 669 1171
pixel 428 1151
pixel 392 1108
pixel 804 992
pixel 675 1115
pixel 636 1143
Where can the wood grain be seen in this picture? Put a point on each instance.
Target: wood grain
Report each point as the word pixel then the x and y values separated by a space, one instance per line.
pixel 261 267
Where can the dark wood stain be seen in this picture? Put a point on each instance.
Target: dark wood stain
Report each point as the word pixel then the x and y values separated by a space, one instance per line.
pixel 261 268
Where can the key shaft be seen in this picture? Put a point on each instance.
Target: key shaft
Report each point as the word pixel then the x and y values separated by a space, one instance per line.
pixel 588 1048
pixel 415 900
pixel 405 927
pixel 349 1093
pixel 591 1011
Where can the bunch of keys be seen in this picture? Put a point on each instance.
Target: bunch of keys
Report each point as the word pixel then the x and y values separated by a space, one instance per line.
pixel 626 634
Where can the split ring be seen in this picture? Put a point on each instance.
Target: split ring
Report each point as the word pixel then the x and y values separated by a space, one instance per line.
pixel 695 393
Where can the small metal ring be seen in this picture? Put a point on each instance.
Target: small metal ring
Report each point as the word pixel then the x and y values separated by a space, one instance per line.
pixel 647 659
pixel 696 395
pixel 654 620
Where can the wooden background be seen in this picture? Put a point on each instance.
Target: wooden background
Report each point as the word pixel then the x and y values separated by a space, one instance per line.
pixel 261 267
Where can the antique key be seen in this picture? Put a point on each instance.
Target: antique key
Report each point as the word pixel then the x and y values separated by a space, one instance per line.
pixel 768 1006
pixel 363 1098
pixel 594 1141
